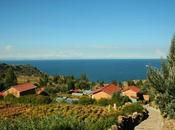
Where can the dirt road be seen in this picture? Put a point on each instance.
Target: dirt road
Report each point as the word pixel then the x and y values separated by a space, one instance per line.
pixel 153 122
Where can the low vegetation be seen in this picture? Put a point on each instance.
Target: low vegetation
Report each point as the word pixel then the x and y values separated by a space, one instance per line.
pixel 163 82
pixel 54 116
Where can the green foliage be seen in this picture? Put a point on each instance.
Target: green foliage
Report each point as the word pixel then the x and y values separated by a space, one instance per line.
pixel 103 102
pixel 30 99
pixel 56 122
pixel 19 70
pixel 86 101
pixel 44 80
pixel 61 117
pixel 47 123
pixel 163 81
pixel 10 78
pixel 71 84
pixel 83 77
pixel 119 99
pixel 131 83
pixel 171 56
pixel 130 108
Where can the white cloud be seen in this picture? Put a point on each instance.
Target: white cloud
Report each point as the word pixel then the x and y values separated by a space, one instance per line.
pixel 160 53
pixel 8 48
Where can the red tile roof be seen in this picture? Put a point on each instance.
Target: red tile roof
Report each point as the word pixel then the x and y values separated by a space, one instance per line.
pixel 134 88
pixel 1 94
pixel 109 89
pixel 24 87
pixel 40 90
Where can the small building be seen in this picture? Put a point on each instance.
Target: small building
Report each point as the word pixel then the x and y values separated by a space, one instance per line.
pixel 1 94
pixel 77 94
pixel 132 92
pixel 42 91
pixel 106 92
pixel 87 92
pixel 146 98
pixel 22 89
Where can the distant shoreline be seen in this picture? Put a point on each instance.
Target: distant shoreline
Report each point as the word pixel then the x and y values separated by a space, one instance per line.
pixel 4 60
pixel 103 70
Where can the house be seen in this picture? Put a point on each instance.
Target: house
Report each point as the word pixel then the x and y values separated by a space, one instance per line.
pixel 1 94
pixel 132 92
pixel 105 92
pixel 146 98
pixel 87 92
pixel 22 89
pixel 77 94
pixel 42 91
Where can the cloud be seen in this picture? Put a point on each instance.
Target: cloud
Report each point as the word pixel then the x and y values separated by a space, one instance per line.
pixel 160 53
pixel 8 48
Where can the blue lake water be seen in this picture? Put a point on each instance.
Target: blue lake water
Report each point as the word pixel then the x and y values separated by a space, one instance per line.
pixel 105 70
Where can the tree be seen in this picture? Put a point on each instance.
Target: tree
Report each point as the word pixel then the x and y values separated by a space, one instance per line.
pixel 163 81
pixel 71 84
pixel 83 77
pixel 44 81
pixel 171 56
pixel 10 78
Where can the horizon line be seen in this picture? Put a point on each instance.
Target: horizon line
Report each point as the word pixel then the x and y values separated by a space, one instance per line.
pixel 83 59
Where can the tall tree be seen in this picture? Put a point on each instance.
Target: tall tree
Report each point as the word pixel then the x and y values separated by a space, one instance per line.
pixel 10 78
pixel 171 56
pixel 163 81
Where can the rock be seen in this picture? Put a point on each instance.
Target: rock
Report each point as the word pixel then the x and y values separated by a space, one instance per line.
pixel 120 119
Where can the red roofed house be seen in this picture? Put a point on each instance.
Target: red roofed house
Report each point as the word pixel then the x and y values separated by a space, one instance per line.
pixel 1 94
pixel 22 89
pixel 132 92
pixel 106 92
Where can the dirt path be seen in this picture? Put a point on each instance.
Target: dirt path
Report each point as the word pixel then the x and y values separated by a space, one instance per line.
pixel 153 122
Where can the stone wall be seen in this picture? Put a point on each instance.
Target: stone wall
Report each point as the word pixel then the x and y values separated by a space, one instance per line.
pixel 129 122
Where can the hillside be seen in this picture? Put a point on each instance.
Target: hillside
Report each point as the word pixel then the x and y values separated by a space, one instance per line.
pixel 20 70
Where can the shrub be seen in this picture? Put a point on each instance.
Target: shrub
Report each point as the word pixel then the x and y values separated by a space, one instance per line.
pixel 130 108
pixel 103 102
pixel 29 99
pixel 10 98
pixel 119 99
pixel 86 101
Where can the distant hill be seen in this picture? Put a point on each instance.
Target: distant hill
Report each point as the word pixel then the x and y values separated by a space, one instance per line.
pixel 20 70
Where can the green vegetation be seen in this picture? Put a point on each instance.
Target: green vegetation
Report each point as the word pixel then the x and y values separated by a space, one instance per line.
pixel 8 79
pixel 20 70
pixel 163 82
pixel 86 101
pixel 117 98
pixel 30 99
pixel 9 74
pixel 61 117
pixel 63 84
pixel 39 112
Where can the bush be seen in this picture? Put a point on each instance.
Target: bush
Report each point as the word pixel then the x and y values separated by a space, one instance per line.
pixel 131 108
pixel 29 99
pixel 10 98
pixel 86 101
pixel 119 99
pixel 103 102
pixel 56 122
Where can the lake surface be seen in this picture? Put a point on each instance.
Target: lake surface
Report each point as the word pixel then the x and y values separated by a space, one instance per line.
pixel 105 70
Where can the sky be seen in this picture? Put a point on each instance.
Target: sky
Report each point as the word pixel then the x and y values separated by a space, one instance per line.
pixel 85 29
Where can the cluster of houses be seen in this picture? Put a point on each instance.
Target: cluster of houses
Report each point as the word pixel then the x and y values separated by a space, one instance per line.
pixel 133 92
